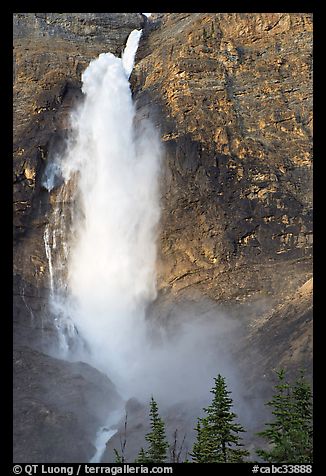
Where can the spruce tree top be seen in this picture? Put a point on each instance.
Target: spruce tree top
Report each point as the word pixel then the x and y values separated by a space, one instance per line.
pixel 156 438
pixel 217 433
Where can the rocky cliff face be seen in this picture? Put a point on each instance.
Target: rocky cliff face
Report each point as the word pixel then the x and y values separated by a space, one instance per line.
pixel 236 93
pixel 232 97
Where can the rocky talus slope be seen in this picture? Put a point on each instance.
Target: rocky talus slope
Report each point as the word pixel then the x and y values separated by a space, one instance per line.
pixel 231 95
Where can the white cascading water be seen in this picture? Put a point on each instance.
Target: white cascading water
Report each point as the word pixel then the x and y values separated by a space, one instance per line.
pixel 111 265
pixel 104 434
pixel 48 253
pixel 128 57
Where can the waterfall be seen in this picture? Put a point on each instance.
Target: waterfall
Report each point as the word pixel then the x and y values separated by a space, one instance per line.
pixel 128 57
pixel 102 437
pixel 104 434
pixel 110 278
pixel 48 253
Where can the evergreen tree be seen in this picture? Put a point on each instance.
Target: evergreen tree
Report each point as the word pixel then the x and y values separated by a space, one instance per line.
pixel 289 435
pixel 202 449
pixel 218 439
pixel 302 397
pixel 157 448
pixel 141 458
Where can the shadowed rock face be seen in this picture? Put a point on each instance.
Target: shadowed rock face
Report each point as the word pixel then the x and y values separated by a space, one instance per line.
pixel 232 97
pixel 58 407
pixel 284 334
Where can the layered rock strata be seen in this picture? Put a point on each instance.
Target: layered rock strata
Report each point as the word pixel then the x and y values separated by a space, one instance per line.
pixel 232 96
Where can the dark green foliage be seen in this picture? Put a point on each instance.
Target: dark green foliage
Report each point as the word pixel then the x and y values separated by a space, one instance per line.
pixel 218 439
pixel 141 458
pixel 157 448
pixel 202 449
pixel 289 435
